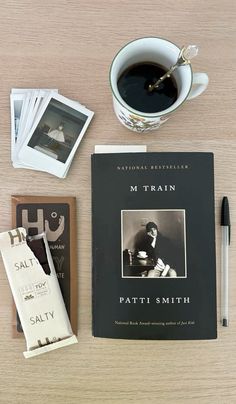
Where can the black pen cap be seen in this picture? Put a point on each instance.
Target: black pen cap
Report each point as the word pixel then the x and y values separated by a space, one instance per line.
pixel 225 218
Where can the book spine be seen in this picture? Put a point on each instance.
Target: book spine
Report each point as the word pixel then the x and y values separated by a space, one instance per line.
pixel 93 248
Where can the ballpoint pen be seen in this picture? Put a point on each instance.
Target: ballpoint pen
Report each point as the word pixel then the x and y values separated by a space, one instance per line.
pixel 225 241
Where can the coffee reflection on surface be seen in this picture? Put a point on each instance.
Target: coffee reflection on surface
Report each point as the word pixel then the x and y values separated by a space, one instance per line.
pixel 133 88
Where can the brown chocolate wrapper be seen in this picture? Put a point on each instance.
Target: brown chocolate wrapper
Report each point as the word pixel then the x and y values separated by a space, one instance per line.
pixel 57 217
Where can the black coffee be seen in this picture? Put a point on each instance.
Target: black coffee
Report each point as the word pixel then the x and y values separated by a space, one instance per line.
pixel 133 88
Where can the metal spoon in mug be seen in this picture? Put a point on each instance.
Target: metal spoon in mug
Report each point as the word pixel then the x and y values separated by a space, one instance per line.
pixel 184 58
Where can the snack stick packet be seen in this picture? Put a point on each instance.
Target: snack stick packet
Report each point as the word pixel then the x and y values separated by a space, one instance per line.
pixel 36 292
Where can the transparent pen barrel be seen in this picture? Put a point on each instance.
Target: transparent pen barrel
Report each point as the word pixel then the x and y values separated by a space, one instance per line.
pixel 224 274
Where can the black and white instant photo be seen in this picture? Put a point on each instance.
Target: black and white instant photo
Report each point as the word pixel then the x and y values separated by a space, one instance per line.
pixel 58 130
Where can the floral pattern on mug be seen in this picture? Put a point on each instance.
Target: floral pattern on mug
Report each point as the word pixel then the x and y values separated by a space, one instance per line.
pixel 139 123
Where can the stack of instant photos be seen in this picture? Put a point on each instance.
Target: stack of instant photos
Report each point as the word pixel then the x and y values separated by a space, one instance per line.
pixel 46 130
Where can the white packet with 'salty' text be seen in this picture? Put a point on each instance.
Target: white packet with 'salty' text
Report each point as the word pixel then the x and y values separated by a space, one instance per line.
pixel 36 292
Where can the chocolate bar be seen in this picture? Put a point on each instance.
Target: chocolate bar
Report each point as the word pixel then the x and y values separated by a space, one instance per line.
pixel 56 216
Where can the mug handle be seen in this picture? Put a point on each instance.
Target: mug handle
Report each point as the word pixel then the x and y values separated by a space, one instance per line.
pixel 200 83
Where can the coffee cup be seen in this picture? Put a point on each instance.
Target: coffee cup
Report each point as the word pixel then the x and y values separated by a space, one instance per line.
pixel 142 254
pixel 153 51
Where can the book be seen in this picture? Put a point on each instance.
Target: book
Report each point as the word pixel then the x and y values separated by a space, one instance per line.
pixel 57 217
pixel 154 270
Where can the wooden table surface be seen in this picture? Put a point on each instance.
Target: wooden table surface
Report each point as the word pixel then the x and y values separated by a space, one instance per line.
pixel 69 45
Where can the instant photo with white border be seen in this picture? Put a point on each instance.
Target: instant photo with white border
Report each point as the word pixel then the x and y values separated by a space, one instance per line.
pixel 19 105
pixel 20 94
pixel 23 118
pixel 16 106
pixel 42 155
pixel 32 101
pixel 137 244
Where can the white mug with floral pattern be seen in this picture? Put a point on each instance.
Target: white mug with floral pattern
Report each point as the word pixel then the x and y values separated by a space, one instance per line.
pixel 165 53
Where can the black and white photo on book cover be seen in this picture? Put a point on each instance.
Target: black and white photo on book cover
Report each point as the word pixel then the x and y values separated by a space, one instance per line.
pixel 153 243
